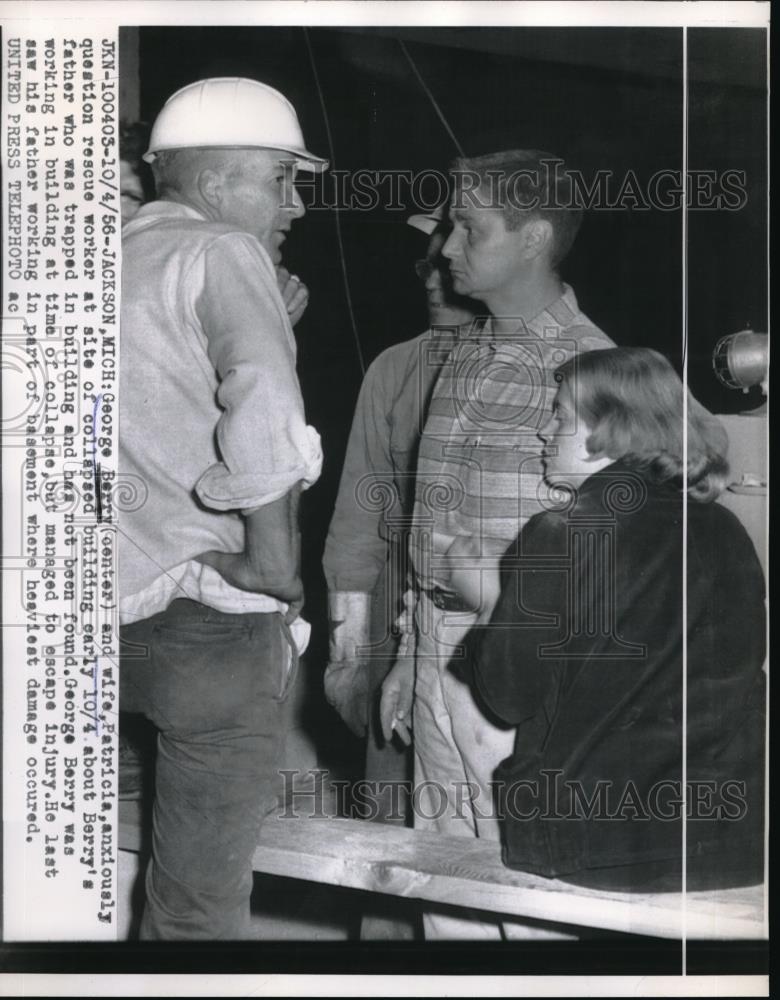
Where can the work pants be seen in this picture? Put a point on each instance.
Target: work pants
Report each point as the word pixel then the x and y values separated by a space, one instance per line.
pixel 212 684
pixel 457 749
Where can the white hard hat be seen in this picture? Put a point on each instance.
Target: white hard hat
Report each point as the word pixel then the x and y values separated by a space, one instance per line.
pixel 427 222
pixel 230 111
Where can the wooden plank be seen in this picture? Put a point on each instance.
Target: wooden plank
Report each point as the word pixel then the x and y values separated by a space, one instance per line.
pixel 470 873
pixel 465 872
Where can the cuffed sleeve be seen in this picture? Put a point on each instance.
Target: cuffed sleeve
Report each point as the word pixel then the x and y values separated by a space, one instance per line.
pixel 220 489
pixel 350 620
pixel 263 440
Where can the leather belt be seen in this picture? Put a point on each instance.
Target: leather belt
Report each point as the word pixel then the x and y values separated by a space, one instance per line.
pixel 447 600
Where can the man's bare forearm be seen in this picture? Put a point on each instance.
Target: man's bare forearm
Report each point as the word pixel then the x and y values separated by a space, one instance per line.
pixel 271 560
pixel 273 542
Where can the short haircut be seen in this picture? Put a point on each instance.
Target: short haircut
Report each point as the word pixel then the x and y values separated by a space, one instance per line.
pixel 632 401
pixel 527 184
pixel 176 170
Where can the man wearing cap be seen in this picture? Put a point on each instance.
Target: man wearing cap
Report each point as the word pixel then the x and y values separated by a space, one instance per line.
pixel 365 551
pixel 215 449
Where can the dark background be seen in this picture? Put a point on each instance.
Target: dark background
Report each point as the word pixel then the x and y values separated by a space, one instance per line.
pixel 601 98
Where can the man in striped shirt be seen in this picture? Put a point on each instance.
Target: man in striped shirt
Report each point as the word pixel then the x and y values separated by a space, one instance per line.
pixel 479 474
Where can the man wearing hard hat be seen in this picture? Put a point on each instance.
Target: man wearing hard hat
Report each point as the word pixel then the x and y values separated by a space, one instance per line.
pixel 215 448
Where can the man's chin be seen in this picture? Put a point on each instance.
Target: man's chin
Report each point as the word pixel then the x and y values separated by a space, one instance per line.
pixel 272 247
pixel 442 316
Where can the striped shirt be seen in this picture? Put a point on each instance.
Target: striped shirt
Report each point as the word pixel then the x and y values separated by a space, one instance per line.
pixel 479 471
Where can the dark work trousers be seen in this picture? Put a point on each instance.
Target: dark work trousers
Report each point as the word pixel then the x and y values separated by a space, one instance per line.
pixel 386 917
pixel 212 684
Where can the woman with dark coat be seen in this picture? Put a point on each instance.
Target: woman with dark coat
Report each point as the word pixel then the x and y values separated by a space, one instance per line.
pixel 639 701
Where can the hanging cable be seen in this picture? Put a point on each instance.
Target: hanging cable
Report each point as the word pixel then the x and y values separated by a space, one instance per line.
pixel 432 99
pixel 336 210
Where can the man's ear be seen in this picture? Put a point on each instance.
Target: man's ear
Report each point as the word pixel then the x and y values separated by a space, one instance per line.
pixel 210 187
pixel 537 238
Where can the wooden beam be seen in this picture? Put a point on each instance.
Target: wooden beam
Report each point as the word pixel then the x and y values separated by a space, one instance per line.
pixel 469 873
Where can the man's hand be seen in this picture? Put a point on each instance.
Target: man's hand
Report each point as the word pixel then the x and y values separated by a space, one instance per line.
pixel 395 707
pixel 404 624
pixel 294 608
pixel 346 688
pixel 235 568
pixel 270 562
pixel 471 569
pixel 294 293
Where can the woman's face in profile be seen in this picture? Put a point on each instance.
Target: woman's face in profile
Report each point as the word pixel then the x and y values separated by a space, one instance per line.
pixel 566 458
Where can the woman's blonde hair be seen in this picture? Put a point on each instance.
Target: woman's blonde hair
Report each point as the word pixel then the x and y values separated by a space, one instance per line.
pixel 631 399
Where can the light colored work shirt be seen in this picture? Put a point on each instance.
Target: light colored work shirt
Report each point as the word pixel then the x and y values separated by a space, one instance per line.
pixel 211 414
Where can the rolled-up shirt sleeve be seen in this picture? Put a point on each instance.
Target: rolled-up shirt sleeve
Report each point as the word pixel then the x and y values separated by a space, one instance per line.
pixel 264 442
